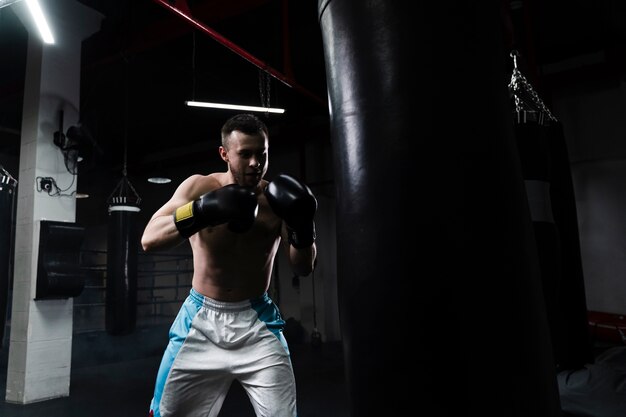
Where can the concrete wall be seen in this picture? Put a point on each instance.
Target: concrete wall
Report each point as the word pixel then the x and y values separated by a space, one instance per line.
pixel 593 114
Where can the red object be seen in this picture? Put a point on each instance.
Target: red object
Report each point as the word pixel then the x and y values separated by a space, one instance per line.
pixel 182 9
pixel 607 327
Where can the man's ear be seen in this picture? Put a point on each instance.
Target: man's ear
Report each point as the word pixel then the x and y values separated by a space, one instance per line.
pixel 223 153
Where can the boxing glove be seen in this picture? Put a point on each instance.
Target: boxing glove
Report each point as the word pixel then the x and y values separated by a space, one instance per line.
pixel 294 202
pixel 232 204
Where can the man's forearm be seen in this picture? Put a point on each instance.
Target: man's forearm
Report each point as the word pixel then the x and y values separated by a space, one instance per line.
pixel 303 260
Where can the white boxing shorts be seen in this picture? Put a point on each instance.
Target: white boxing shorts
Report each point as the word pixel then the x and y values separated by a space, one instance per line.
pixel 212 343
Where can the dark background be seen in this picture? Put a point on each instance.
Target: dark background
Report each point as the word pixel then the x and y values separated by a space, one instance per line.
pixel 145 62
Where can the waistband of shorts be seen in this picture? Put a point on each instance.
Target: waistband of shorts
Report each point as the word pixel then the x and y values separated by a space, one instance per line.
pixel 231 306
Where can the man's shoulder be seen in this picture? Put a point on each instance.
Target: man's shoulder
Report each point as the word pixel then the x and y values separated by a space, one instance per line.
pixel 198 184
pixel 213 178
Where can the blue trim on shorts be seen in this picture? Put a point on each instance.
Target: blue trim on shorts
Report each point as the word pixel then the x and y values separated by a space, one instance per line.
pixel 270 315
pixel 178 333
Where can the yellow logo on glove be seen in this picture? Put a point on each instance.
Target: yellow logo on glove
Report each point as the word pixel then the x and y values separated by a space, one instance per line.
pixel 184 212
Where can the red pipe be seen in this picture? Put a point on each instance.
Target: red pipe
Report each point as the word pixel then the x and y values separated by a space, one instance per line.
pixel 180 8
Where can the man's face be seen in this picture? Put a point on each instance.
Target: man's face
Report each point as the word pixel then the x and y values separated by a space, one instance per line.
pixel 246 157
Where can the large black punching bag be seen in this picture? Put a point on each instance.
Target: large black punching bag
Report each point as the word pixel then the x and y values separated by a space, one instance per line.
pixel 370 112
pixel 8 187
pixel 122 250
pixel 440 299
pixel 531 133
pixel 575 347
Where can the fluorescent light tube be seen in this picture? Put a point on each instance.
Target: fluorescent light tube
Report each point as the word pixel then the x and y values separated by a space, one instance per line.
pixel 40 21
pixel 233 107
pixel 4 3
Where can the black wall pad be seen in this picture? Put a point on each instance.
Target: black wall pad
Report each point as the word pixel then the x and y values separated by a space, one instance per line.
pixel 58 267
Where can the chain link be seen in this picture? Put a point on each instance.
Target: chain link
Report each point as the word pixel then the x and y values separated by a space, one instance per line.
pixel 523 92
pixel 264 88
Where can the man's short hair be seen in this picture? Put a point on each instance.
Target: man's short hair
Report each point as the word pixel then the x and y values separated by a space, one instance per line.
pixel 245 123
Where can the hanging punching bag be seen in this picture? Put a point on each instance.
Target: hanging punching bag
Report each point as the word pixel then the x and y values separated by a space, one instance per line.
pixel 574 347
pixel 549 186
pixel 8 187
pixel 122 250
pixel 370 133
pixel 552 204
pixel 531 133
pixel 439 294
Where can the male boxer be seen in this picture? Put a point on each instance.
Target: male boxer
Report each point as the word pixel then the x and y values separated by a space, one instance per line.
pixel 228 328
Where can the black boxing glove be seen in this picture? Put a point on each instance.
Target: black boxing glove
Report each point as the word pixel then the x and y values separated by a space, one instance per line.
pixel 294 202
pixel 232 204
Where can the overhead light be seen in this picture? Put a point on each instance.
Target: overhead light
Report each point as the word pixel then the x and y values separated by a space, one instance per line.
pixel 159 180
pixel 82 195
pixel 234 107
pixel 159 174
pixel 40 21
pixel 4 3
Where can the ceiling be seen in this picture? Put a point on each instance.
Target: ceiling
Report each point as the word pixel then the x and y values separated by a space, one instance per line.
pixel 146 61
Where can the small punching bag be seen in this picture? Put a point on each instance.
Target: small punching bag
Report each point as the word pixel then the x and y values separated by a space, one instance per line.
pixel 550 192
pixel 8 186
pixel 122 249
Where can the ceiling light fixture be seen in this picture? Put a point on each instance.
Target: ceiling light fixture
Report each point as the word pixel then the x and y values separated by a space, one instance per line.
pixel 159 180
pixel 264 89
pixel 234 107
pixel 159 175
pixel 40 21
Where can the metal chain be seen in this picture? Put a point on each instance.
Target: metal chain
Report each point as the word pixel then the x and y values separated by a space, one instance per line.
pixel 268 88
pixel 520 86
pixel 264 88
pixel 120 193
pixel 193 65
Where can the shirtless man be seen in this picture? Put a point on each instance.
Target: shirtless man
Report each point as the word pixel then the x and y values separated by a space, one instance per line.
pixel 228 328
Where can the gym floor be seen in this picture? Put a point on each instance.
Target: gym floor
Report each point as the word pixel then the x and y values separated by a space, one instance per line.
pixel 124 389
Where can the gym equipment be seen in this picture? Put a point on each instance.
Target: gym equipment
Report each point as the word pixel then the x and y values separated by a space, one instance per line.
pixel 232 204
pixel 59 274
pixel 294 202
pixel 122 252
pixel 550 193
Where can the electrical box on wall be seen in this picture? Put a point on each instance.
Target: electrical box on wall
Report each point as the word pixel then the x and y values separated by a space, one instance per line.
pixel 59 274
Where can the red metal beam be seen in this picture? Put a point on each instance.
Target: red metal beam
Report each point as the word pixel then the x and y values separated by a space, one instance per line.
pixel 181 9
